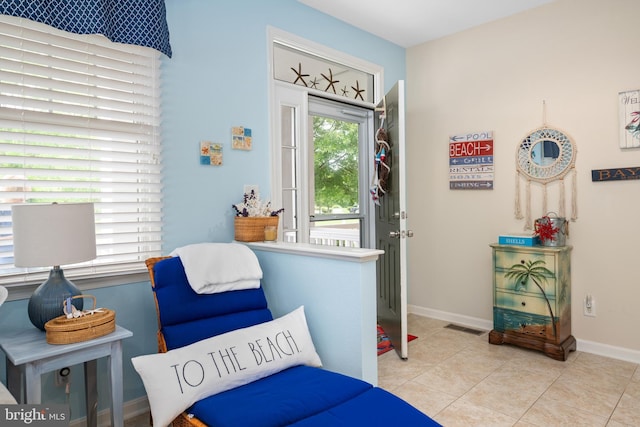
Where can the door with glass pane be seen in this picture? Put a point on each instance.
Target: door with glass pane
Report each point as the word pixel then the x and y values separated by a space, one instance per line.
pixel 338 135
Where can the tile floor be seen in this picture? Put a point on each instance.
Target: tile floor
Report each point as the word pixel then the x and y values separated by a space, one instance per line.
pixel 459 379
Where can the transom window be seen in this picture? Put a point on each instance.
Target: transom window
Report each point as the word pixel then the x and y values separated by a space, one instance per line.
pixel 308 70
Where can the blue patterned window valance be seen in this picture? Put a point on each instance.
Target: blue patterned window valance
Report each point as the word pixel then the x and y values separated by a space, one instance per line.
pixel 138 22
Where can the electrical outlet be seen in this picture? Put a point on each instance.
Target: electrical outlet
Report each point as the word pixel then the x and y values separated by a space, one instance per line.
pixel 248 188
pixel 589 306
pixel 63 376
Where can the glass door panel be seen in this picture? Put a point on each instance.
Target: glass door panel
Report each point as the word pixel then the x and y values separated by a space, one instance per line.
pixel 336 187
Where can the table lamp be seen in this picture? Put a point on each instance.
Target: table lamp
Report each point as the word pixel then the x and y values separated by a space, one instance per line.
pixel 53 235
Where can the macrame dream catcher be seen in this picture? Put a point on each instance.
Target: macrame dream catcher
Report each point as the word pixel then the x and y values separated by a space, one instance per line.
pixel 546 156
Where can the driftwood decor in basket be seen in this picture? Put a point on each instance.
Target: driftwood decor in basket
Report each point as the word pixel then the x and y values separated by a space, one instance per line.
pixel 77 326
pixel 252 216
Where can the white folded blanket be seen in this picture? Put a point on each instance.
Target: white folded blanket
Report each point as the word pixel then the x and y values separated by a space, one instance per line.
pixel 219 267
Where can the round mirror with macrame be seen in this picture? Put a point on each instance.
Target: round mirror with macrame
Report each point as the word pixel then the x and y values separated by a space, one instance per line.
pixel 544 156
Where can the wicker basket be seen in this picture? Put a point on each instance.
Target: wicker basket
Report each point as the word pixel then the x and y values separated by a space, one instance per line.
pixel 251 228
pixel 77 329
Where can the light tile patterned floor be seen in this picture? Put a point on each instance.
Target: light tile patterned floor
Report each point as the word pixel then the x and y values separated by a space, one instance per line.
pixel 459 379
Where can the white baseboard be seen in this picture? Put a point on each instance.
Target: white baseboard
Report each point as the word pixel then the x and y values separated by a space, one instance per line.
pixel 131 409
pixel 607 350
pixel 600 349
pixel 458 319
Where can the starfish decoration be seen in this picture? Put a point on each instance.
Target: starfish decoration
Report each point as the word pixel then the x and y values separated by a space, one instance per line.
pixel 358 91
pixel 331 81
pixel 299 75
pixel 314 83
pixel 344 91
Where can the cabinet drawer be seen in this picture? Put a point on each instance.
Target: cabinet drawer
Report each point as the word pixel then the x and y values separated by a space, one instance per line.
pixel 505 259
pixel 504 284
pixel 524 303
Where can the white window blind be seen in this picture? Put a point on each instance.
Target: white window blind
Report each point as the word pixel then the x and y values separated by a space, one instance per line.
pixel 79 122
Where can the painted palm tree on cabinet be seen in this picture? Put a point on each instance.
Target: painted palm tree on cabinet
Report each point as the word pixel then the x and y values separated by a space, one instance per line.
pixel 536 272
pixel 530 285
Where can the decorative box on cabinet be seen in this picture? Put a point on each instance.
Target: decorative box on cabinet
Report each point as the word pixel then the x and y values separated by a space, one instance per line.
pixel 537 318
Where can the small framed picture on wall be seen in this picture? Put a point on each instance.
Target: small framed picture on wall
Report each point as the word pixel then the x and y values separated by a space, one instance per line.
pixel 629 111
pixel 241 138
pixel 210 153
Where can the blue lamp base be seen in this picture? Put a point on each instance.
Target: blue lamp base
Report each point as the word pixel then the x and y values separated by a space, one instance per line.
pixel 47 300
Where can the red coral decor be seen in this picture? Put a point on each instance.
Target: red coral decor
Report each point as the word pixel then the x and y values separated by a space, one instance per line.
pixel 545 230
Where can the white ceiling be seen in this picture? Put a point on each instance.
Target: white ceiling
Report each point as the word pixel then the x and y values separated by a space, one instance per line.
pixel 411 22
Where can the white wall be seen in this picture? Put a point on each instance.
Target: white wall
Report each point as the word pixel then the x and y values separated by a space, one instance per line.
pixel 576 55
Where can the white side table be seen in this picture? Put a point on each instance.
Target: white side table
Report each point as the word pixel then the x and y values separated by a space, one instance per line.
pixel 29 356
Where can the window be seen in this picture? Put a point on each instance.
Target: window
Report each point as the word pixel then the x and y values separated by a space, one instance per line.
pixel 322 141
pixel 339 134
pixel 324 169
pixel 79 122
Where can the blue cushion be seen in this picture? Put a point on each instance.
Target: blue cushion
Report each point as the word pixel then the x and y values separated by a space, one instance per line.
pixel 187 317
pixel 280 399
pixel 375 407
pixel 186 333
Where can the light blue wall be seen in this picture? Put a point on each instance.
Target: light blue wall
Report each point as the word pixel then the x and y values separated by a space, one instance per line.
pixel 339 297
pixel 216 79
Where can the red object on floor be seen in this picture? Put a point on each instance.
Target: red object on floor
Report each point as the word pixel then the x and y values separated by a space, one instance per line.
pixel 384 344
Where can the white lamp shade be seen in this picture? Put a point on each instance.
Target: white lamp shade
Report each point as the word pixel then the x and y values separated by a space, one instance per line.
pixel 53 234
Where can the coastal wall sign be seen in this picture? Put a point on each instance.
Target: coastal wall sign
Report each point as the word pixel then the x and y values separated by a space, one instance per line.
pixel 629 112
pixel 617 174
pixel 471 161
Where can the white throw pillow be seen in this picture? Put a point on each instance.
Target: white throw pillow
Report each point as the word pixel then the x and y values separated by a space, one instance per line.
pixel 177 379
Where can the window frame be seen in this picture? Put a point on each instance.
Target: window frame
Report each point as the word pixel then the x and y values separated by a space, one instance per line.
pixel 93 275
pixel 296 96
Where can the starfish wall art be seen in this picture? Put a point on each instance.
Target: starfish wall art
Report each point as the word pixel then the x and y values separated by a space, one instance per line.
pixel 317 82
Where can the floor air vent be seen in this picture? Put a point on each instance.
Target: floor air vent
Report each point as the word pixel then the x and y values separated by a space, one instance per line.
pixel 464 329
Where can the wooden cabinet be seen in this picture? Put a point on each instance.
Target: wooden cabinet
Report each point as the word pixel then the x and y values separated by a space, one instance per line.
pixel 532 298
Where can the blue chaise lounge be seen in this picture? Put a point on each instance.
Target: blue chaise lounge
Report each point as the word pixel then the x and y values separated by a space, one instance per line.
pixel 298 395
